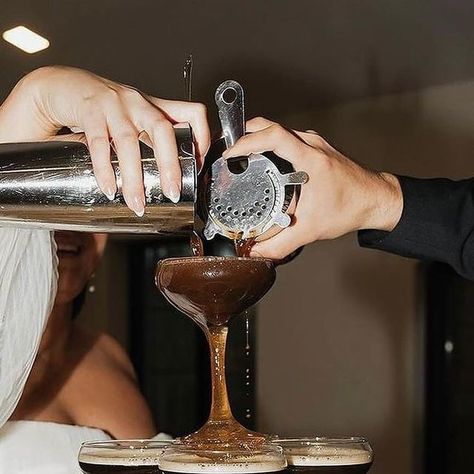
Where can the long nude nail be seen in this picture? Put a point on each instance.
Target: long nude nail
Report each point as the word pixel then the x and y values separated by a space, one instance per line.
pixel 138 206
pixel 109 191
pixel 174 193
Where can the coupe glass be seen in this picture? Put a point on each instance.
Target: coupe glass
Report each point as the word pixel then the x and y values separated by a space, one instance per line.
pixel 122 456
pixel 327 455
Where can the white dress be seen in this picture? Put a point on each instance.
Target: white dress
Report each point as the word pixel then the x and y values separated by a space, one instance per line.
pixel 39 447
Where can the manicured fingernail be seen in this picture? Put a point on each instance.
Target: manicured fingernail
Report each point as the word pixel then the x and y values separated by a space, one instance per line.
pixel 174 192
pixel 138 206
pixel 110 193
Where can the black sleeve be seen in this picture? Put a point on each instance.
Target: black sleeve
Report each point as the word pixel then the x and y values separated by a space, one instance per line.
pixel 437 223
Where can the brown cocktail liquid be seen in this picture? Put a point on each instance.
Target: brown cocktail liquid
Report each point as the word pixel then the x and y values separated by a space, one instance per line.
pixel 331 469
pixel 197 247
pixel 211 291
pixel 92 468
pixel 242 246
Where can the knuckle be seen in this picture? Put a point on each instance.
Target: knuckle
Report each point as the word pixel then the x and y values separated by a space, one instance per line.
pixel 319 140
pixel 160 123
pixel 315 136
pixel 260 121
pixel 200 110
pixel 96 141
pixel 125 136
pixel 123 94
pixel 111 94
pixel 277 131
pixel 324 163
pixel 314 144
pixel 125 132
pixel 131 94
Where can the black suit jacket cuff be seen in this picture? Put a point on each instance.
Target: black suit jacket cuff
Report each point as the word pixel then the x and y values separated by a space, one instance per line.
pixel 437 223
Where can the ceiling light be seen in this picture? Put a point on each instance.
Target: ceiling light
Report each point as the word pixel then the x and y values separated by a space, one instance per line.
pixel 25 39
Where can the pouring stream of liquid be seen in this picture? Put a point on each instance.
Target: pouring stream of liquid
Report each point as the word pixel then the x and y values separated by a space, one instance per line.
pixel 242 247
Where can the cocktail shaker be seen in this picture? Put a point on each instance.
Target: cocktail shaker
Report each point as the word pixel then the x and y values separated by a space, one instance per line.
pixel 52 185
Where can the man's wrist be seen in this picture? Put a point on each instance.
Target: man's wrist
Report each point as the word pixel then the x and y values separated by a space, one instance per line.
pixel 386 203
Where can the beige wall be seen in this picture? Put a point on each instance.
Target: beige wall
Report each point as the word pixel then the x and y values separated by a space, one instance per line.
pixel 340 340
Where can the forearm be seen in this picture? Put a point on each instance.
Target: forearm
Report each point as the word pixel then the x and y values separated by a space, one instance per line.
pixel 437 223
pixel 20 117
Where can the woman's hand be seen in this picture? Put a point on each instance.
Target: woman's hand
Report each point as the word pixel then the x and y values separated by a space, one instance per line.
pixel 339 197
pixel 51 98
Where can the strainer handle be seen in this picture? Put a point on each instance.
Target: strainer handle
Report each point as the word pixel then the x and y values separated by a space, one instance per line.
pixel 230 105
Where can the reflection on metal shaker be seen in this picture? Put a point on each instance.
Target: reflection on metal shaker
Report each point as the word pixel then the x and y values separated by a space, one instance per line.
pixel 52 185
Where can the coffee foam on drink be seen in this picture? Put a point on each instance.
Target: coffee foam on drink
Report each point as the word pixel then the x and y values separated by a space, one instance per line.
pixel 194 464
pixel 122 457
pixel 326 456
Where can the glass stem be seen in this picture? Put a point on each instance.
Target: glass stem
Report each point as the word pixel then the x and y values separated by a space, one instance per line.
pixel 220 407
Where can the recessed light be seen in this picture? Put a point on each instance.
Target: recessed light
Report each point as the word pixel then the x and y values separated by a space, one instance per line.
pixel 25 39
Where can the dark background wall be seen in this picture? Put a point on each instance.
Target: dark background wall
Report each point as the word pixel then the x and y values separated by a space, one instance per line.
pixel 290 55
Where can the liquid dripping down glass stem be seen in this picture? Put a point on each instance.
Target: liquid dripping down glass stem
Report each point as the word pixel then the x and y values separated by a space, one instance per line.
pixel 220 407
pixel 188 78
pixel 248 412
pixel 221 426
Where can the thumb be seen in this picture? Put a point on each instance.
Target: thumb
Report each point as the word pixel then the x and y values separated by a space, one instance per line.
pixel 278 246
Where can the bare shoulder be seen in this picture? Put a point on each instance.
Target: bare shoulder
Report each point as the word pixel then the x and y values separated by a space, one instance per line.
pixel 104 349
pixel 105 393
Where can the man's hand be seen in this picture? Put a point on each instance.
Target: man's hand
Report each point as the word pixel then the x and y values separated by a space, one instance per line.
pixel 339 197
pixel 50 98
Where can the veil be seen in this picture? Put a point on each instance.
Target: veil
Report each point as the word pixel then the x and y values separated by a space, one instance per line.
pixel 28 283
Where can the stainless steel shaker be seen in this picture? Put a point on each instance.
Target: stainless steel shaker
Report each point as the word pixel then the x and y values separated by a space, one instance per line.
pixel 52 185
